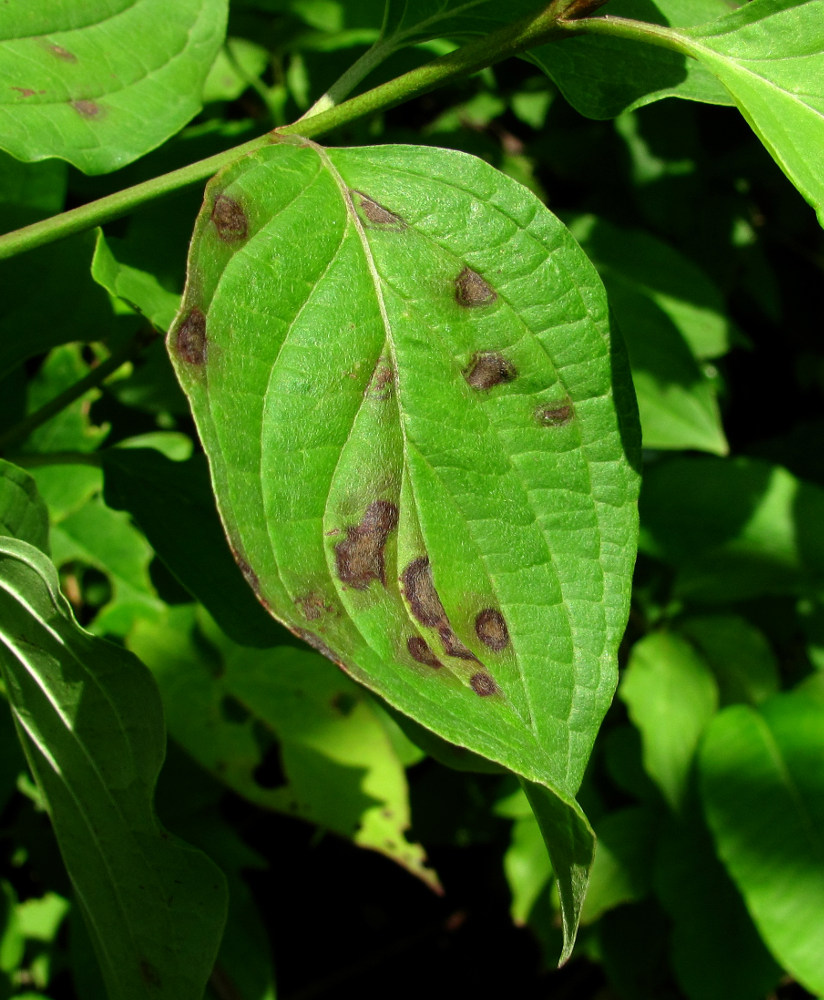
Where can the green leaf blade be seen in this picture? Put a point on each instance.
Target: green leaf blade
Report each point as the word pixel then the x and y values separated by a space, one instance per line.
pixel 102 88
pixel 770 57
pixel 760 776
pixel 89 717
pixel 383 487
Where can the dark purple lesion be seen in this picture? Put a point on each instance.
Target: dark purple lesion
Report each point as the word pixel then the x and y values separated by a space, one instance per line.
pixel 425 605
pixel 229 219
pixel 190 340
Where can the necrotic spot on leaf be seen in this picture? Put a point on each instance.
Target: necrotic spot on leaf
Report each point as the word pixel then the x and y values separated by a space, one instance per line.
pixel 229 219
pixel 420 592
pixel 427 608
pixel 488 368
pixel 149 974
pixel 491 629
pixel 191 338
pixel 312 606
pixel 453 645
pixel 554 416
pixel 61 53
pixel 379 216
pixel 472 290
pixel 420 651
pixel 483 684
pixel 87 109
pixel 359 557
pixel 382 381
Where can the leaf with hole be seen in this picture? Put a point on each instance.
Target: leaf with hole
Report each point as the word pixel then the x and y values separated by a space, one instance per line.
pixel 400 366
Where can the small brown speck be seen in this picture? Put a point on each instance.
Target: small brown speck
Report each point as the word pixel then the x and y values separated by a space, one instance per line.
pixel 377 215
pixel 488 369
pixel 555 415
pixel 491 629
pixel 483 685
pixel 61 53
pixel 229 220
pixel 191 338
pixel 87 109
pixel 472 290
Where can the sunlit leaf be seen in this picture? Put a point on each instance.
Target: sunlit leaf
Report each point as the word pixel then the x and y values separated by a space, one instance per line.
pixel 762 783
pixel 400 366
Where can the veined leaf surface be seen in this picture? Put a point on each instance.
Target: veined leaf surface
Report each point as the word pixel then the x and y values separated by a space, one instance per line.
pixel 400 366
pixel 102 82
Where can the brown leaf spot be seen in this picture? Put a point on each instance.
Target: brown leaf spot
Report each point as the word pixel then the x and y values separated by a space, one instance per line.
pixel 359 557
pixel 472 290
pixel 382 382
pixel 453 645
pixel 191 338
pixel 419 650
pixel 488 368
pixel 312 606
pixel 420 592
pixel 491 629
pixel 554 416
pixel 483 685
pixel 149 974
pixel 26 91
pixel 87 109
pixel 229 219
pixel 61 53
pixel 427 608
pixel 379 216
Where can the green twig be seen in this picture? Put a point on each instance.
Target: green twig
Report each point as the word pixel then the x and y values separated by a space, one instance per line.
pixel 98 375
pixel 477 55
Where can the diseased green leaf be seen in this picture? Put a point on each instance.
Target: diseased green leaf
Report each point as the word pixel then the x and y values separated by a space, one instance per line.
pixel 670 694
pixel 90 720
pixel 23 514
pixel 762 784
pixel 338 767
pixel 102 83
pixel 400 366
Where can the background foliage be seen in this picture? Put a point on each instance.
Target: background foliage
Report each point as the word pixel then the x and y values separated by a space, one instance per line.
pixel 327 825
